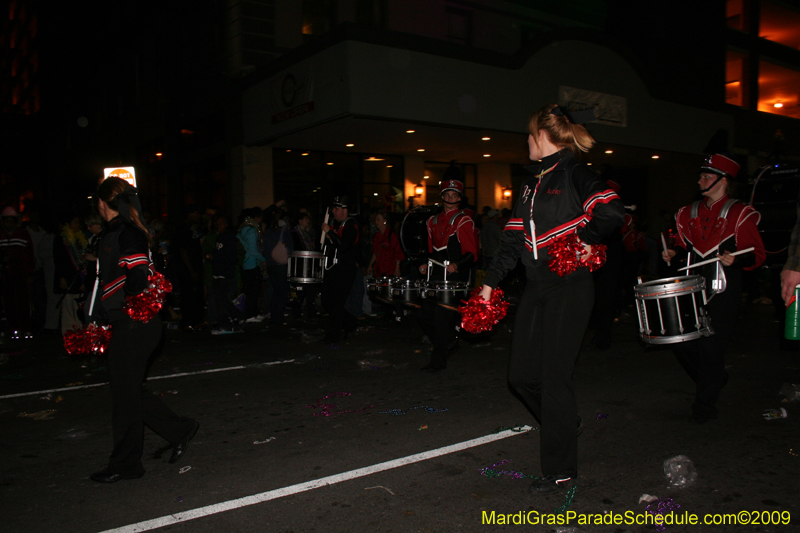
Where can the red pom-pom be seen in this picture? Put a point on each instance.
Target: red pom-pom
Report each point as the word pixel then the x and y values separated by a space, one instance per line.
pixel 566 252
pixel 478 315
pixel 90 339
pixel 597 258
pixel 143 307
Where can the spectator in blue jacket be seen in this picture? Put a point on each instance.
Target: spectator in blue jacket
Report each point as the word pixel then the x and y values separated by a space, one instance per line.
pixel 251 238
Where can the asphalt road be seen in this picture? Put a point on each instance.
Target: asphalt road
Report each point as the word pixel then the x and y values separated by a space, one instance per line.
pixel 264 439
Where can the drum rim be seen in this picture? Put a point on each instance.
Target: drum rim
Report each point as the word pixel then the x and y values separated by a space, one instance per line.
pixel 306 253
pixel 448 285
pixel 674 339
pixel 669 287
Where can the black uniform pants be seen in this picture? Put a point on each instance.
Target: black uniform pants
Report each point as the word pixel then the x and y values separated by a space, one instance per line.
pixel 548 331
pixel 134 407
pixel 704 358
pixel 336 286
pixel 439 324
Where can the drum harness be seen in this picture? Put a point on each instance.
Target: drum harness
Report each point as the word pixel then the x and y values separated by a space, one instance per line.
pixel 335 258
pixel 446 262
pixel 719 282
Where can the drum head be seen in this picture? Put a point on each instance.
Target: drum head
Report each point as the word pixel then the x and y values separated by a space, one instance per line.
pixel 660 288
pixel 414 232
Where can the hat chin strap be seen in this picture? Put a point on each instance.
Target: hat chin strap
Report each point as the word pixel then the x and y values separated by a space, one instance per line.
pixel 719 177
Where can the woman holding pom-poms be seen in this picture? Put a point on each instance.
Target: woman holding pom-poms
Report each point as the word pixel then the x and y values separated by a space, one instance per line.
pixel 121 300
pixel 563 211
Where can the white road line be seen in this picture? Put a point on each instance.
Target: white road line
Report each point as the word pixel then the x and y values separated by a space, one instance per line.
pixel 76 387
pixel 309 485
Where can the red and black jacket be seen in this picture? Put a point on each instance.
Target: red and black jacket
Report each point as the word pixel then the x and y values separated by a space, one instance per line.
pixel 125 267
pixel 563 197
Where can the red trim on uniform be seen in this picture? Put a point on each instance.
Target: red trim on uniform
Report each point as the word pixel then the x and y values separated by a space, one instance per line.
pixel 113 287
pixel 131 261
pixel 563 229
pixel 514 224
pixel 602 197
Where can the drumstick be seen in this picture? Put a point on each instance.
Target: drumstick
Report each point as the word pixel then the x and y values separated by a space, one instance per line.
pixel 715 259
pixel 437 263
pixel 664 244
pixel 322 239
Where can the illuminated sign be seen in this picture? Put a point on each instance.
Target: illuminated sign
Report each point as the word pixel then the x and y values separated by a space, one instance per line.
pixel 126 173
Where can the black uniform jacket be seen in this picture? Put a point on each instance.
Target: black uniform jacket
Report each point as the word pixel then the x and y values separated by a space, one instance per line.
pixel 124 270
pixel 564 196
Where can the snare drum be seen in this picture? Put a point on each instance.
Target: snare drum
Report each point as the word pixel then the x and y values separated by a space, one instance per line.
pixel 306 267
pixel 380 289
pixel 448 294
pixel 406 292
pixel 672 310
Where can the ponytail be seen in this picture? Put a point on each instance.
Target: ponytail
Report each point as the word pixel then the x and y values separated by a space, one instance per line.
pixel 122 197
pixel 562 128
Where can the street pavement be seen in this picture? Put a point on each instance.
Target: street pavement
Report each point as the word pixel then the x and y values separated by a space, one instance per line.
pixel 264 437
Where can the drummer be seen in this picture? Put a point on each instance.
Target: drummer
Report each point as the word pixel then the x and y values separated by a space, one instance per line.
pixel 340 249
pixel 451 238
pixel 715 227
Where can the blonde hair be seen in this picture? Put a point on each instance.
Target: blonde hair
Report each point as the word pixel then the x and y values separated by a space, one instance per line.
pixel 559 130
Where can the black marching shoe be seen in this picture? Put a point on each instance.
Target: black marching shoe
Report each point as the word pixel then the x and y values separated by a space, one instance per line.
pixel 105 476
pixel 552 484
pixel 179 450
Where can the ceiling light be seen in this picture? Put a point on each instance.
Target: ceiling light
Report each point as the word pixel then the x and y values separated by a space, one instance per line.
pixel 485 138
pixel 288 150
pixel 304 153
pixel 420 149
pixel 588 164
pixel 330 164
pixel 350 145
pixel 389 166
pixel 425 177
pixel 159 154
pixel 410 131
pixel 655 157
pixel 609 151
pixel 487 155
pixel 374 194
pixel 778 104
pixel 373 158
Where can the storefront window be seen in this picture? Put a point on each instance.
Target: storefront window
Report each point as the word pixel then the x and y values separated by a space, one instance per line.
pixel 310 179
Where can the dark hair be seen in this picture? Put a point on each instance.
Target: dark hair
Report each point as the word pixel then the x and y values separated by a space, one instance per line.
pixel 93 218
pixel 110 192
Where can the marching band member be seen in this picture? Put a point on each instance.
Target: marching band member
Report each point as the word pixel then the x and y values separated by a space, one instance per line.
pixel 716 226
pixel 124 259
pixel 452 238
pixel 341 237
pixel 563 197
